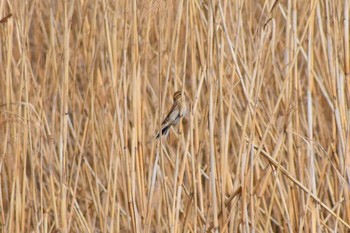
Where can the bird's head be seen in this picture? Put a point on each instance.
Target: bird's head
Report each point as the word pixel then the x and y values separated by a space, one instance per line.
pixel 177 96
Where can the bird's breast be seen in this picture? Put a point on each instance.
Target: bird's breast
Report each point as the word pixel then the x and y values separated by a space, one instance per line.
pixel 183 109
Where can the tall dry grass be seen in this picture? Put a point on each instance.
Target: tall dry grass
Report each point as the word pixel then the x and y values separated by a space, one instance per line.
pixel 84 87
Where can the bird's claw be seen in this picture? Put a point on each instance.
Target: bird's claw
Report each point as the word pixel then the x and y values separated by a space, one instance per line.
pixel 179 131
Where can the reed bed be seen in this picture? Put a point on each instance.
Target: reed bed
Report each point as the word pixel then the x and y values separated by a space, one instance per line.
pixel 85 85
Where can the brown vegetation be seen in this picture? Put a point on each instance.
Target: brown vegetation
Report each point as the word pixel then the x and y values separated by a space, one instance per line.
pixel 265 145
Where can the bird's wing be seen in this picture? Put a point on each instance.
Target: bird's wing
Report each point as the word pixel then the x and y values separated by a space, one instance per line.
pixel 172 115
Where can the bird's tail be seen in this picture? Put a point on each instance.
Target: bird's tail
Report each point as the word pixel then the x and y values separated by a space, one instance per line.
pixel 165 131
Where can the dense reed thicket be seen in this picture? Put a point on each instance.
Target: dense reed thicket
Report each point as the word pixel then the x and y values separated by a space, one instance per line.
pixel 85 85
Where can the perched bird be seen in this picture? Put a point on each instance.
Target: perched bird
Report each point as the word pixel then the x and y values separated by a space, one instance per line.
pixel 177 111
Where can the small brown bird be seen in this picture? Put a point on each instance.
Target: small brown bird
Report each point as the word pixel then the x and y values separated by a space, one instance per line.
pixel 177 111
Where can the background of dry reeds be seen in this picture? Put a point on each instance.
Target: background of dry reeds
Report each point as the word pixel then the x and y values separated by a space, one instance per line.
pixel 84 86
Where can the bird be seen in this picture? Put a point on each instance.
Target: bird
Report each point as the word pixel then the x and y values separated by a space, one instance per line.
pixel 177 111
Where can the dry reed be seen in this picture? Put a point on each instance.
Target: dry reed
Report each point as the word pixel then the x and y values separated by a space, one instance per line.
pixel 84 87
